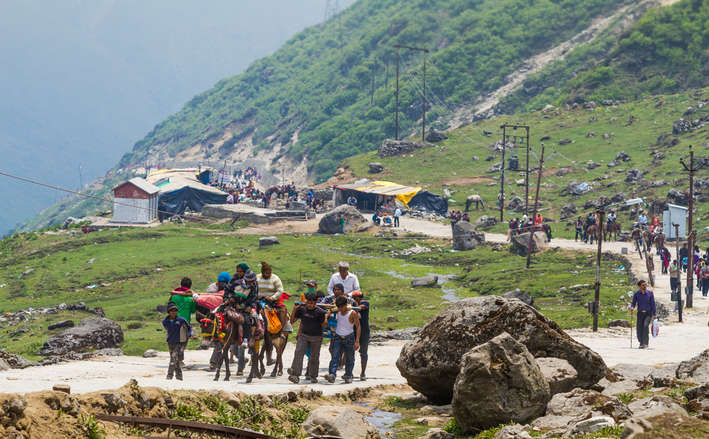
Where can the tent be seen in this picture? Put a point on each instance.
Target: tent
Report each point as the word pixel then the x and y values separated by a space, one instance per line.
pixel 177 194
pixel 425 201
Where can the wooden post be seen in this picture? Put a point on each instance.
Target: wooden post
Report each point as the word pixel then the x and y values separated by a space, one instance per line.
pixel 536 201
pixel 597 293
pixel 679 278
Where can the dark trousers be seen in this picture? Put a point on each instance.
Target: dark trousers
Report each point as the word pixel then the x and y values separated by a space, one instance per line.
pixel 364 347
pixel 673 283
pixel 705 286
pixel 643 327
pixel 396 221
pixel 176 349
pixel 579 234
pixel 303 343
pixel 216 354
pixel 339 345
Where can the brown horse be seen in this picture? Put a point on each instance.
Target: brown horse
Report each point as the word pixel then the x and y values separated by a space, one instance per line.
pixel 276 341
pixel 591 233
pixel 234 332
pixel 612 230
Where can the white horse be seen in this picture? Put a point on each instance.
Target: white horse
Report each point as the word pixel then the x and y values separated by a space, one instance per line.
pixel 477 199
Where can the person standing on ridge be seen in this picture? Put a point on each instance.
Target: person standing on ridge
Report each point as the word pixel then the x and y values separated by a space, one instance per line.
pixel 644 301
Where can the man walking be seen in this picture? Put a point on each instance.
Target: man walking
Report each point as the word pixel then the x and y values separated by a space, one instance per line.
pixel 644 300
pixel 312 322
pixel 184 298
pixel 363 311
pixel 397 214
pixel 178 332
pixel 343 276
pixel 346 339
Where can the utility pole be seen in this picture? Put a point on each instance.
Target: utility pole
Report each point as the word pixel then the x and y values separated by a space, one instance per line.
pixel 536 200
pixel 679 279
pixel 81 178
pixel 526 178
pixel 690 234
pixel 526 172
pixel 423 119
pixel 398 58
pixel 502 175
pixel 597 293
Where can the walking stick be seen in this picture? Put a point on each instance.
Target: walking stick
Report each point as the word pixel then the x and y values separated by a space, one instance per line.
pixel 631 329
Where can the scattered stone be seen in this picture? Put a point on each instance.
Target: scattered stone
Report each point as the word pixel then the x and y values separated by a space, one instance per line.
pixel 4 365
pixel 576 188
pixel 15 406
pixel 499 382
pixel 489 158
pixel 15 361
pixel 590 105
pixel 622 157
pixel 375 168
pixel 569 210
pixel 114 401
pixel 62 324
pixel 655 406
pixel 698 400
pixel 339 421
pixel 681 126
pixel 521 244
pixel 431 361
pixel 485 221
pixel 695 369
pixel 563 171
pixel 678 197
pixel 544 138
pixel 519 294
pixel 565 141
pixel 516 204
pixel 91 334
pixel 66 388
pixel 634 175
pixel 619 197
pixel 487 133
pixel 390 148
pixel 497 167
pixel 592 165
pixel 607 136
pixel 590 134
pixel 560 375
pixel 425 281
pixel 268 240
pixel 619 323
pixel 515 431
pixel 150 353
pixel 354 221
pixel 591 425
pixel 437 433
pixel 566 409
pixel 434 136
pixel 465 237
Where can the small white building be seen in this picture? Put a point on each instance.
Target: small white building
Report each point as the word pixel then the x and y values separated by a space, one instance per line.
pixel 674 215
pixel 135 202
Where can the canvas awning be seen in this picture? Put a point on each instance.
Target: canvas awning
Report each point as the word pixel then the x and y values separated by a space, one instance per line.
pixel 386 188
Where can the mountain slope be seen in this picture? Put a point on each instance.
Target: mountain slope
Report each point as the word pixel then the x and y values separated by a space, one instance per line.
pixel 328 93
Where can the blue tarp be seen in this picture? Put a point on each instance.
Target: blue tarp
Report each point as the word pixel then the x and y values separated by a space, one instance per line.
pixel 179 200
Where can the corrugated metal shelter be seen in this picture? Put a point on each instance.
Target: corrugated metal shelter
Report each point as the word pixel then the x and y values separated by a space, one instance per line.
pixel 674 215
pixel 135 202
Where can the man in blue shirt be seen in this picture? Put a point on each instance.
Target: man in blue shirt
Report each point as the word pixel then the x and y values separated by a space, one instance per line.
pixel 178 332
pixel 644 301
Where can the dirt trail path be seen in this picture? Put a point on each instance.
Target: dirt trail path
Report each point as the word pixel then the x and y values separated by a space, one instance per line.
pixel 676 342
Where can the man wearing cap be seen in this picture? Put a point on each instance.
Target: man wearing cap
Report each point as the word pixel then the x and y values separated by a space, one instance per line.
pixel 644 301
pixel 343 276
pixel 178 332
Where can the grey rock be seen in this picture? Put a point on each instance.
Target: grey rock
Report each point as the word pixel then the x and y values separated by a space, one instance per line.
pixel 90 334
pixel 695 369
pixel 390 148
pixel 62 324
pixel 655 406
pixel 607 136
pixel 485 221
pixel 568 211
pixel 678 197
pixel 515 431
pixel 62 401
pixel 66 388
pixel 150 353
pixel 622 157
pixel 15 406
pixel 15 361
pixel 354 221
pixel 563 171
pixel 499 382
pixel 265 241
pixel 634 175
pixel 619 323
pixel 519 294
pixel 425 281
pixel 565 141
pixel 339 421
pixel 681 126
pixel 114 401
pixel 395 334
pixel 431 361
pixel 591 425
pixel 521 245
pixel 516 204
pixel 4 365
pixel 437 433
pixel 497 167
pixel 465 237
pixel 434 136
pixel 375 168
pixel 560 375
pixel 590 134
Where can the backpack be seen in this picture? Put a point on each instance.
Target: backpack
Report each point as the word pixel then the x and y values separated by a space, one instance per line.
pixel 274 323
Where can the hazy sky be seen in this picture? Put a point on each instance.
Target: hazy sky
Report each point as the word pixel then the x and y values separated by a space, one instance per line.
pixel 82 80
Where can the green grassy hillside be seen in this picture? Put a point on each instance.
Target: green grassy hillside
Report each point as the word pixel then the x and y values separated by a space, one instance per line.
pixel 459 163
pixel 333 84
pixel 130 272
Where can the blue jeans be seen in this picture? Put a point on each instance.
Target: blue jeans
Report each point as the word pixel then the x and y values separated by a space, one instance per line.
pixel 338 345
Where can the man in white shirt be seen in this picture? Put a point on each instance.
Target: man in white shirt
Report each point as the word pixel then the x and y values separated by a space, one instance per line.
pixel 344 277
pixel 397 214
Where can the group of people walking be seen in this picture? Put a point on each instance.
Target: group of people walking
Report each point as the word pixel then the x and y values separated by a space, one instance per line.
pixel 341 315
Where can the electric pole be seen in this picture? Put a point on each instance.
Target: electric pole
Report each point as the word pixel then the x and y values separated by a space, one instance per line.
pixel 597 293
pixel 690 234
pixel 423 119
pixel 536 200
pixel 502 174
pixel 679 278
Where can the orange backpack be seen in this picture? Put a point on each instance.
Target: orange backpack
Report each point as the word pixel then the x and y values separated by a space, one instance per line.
pixel 274 323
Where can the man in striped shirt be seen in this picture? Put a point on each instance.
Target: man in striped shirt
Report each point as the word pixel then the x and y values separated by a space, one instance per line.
pixel 271 289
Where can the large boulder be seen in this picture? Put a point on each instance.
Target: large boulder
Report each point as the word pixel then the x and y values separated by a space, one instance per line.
pixel 565 410
pixel 520 242
pixel 15 361
pixel 560 375
pixel 696 369
pixel 465 237
pixel 698 400
pixel 516 204
pixel 434 136
pixel 391 147
pixel 568 211
pixel 354 221
pixel 375 168
pixel 425 281
pixel 344 422
pixel 499 382
pixel 431 361
pixel 91 334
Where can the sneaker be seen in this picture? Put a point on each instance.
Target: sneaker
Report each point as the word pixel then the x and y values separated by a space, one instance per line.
pixel 179 377
pixel 293 379
pixel 329 378
pixel 348 380
pixel 363 377
pixel 169 377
